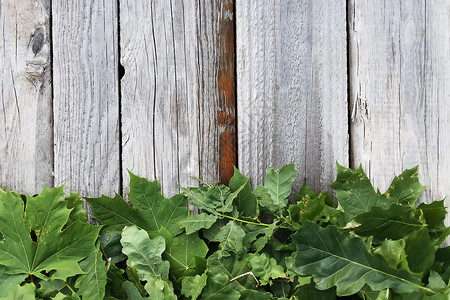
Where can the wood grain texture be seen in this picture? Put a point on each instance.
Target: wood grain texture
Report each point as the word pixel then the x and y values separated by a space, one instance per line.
pixel 26 156
pixel 400 86
pixel 171 54
pixel 86 102
pixel 292 88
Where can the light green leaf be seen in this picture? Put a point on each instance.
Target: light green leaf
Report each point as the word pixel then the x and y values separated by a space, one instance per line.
pixel 192 286
pixel 144 253
pixel 405 188
pixel 8 282
pixel 215 199
pixel 334 260
pixel 392 251
pixel 24 292
pixel 159 289
pixel 355 193
pixel 246 203
pixel 196 222
pixel 219 287
pixel 278 185
pixel 393 223
pixel 92 284
pixel 230 237
pixel 265 268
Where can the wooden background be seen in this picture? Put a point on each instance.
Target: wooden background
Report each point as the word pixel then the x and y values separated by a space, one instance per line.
pixel 173 89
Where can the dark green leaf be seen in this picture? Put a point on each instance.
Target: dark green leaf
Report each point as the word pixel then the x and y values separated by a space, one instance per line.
pixel 434 214
pixel 310 292
pixel 255 295
pixel 110 244
pixel 334 260
pixel 420 250
pixel 148 201
pixel 355 193
pixel 219 287
pixel 245 202
pixel 76 205
pixel 92 284
pixel 393 223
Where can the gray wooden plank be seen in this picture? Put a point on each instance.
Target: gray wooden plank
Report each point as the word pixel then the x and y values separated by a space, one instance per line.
pixel 400 78
pixel 170 53
pixel 292 88
pixel 26 152
pixel 86 101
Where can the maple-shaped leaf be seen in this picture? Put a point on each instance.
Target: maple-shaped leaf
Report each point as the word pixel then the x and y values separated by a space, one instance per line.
pixel 150 210
pixel 92 284
pixel 55 246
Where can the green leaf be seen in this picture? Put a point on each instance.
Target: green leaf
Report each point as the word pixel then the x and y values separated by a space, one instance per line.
pixel 183 252
pixel 24 292
pixel 420 251
pixel 393 223
pixel 7 282
pixel 231 266
pixel 116 213
pixel 258 235
pixel 230 237
pixel 110 244
pixel 310 292
pixel 159 212
pixel 159 289
pixel 192 286
pixel 92 284
pixel 114 283
pixel 405 188
pixel 305 191
pixel 434 214
pixel 56 248
pixel 265 268
pixel 196 222
pixel 334 260
pixel 278 185
pixel 219 287
pixel 132 292
pixel 144 253
pixel 254 295
pixel 246 203
pixel 214 199
pixel 392 252
pixel 355 193
pixel 74 203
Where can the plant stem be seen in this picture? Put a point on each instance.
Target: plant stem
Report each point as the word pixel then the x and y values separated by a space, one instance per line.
pixel 243 221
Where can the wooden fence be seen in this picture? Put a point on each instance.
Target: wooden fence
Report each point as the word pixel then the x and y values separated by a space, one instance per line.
pixel 173 89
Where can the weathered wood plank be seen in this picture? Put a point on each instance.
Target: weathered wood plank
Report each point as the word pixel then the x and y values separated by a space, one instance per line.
pixel 292 88
pixel 171 53
pixel 26 155
pixel 400 84
pixel 86 101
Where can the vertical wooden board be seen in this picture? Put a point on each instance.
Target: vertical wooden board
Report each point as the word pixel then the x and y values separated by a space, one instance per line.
pixel 292 88
pixel 399 80
pixel 170 91
pixel 436 97
pixel 26 152
pixel 86 111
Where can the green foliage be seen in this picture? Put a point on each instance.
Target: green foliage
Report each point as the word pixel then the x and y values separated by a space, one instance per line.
pixel 244 243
